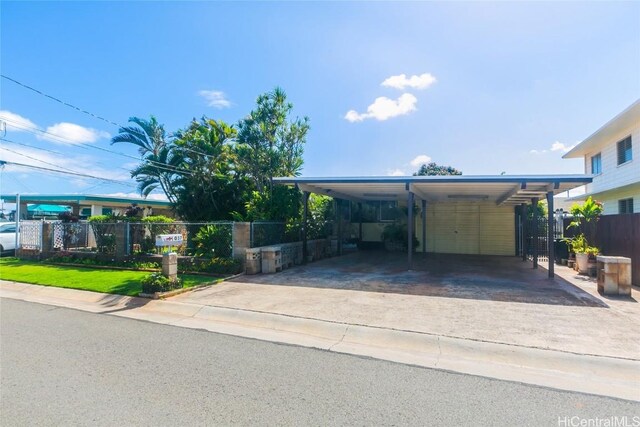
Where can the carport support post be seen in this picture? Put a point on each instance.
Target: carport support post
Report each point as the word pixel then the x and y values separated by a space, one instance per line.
pixel 410 229
pixel 550 234
pixel 305 224
pixel 424 226
pixel 534 232
pixel 523 230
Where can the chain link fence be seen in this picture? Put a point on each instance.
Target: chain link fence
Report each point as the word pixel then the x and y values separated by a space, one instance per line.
pixel 206 239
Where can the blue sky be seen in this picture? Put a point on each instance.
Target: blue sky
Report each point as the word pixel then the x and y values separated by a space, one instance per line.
pixel 497 87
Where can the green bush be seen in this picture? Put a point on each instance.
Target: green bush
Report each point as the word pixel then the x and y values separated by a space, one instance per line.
pixel 213 241
pixel 156 282
pixel 221 266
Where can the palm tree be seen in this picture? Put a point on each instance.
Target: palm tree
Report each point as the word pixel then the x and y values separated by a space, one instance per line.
pixel 160 162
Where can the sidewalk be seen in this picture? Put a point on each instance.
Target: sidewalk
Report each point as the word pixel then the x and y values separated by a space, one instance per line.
pixel 602 375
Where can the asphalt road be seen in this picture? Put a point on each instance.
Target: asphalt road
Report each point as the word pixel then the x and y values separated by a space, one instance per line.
pixel 67 367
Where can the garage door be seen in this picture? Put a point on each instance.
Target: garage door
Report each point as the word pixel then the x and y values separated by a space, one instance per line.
pixel 470 228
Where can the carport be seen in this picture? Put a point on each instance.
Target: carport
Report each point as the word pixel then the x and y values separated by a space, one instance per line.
pixel 475 215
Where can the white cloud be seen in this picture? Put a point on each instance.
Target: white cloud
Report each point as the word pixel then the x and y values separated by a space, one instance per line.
pixel 556 146
pixel 420 160
pixel 384 108
pixel 15 122
pixel 401 81
pixel 396 172
pixel 70 133
pixel 559 146
pixel 215 98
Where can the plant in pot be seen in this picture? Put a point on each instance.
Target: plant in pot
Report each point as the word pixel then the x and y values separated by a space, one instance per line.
pixel 579 247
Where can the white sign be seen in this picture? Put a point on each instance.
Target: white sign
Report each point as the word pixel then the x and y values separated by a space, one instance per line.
pixel 168 239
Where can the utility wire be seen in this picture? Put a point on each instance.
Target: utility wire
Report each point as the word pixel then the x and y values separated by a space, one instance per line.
pixel 60 101
pixel 35 131
pixel 111 122
pixel 51 151
pixel 4 162
pixel 36 159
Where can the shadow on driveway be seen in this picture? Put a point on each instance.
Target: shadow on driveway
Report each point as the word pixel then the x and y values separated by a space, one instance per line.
pixel 480 277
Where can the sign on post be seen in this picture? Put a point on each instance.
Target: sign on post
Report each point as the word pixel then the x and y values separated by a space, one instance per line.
pixel 168 239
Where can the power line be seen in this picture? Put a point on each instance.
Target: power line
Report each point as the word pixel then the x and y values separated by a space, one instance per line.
pixel 82 175
pixel 60 101
pixel 35 131
pixel 51 151
pixel 34 158
pixel 111 122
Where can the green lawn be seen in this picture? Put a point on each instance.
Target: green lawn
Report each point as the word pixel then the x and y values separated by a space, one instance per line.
pixel 123 282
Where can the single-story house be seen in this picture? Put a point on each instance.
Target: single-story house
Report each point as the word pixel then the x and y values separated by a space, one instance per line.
pixel 86 205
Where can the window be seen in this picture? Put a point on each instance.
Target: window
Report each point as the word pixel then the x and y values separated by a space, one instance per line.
pixel 375 211
pixel 388 211
pixel 596 164
pixel 625 206
pixel 624 150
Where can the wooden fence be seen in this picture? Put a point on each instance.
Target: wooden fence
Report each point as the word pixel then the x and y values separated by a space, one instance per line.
pixel 619 235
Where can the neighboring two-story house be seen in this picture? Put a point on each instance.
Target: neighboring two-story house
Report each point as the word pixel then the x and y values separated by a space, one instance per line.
pixel 612 156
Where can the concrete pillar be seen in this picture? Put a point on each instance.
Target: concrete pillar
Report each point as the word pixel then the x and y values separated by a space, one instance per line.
pixel 523 231
pixel 339 219
pixel 360 223
pixel 410 230
pixel 96 210
pixel 170 265
pixel 305 224
pixel 424 226
pixel 534 231
pixel 550 236
pixel 241 236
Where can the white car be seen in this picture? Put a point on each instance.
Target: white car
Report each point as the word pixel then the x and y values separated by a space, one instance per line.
pixel 7 237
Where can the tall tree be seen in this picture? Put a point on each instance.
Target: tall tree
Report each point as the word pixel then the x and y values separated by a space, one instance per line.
pixel 432 169
pixel 213 189
pixel 269 143
pixel 160 164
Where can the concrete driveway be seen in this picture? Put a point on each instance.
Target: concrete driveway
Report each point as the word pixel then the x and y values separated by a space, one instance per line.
pixel 494 278
pixel 495 299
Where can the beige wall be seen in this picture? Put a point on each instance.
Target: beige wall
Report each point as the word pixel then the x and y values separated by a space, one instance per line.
pixel 460 227
pixel 469 228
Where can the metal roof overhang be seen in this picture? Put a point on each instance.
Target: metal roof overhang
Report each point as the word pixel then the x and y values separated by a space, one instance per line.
pixel 499 189
pixel 83 199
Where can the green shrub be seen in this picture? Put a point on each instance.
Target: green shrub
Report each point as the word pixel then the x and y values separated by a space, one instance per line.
pixel 213 241
pixel 156 282
pixel 221 266
pixel 158 219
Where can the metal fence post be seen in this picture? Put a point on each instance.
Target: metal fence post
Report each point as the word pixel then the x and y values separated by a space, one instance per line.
pixel 41 236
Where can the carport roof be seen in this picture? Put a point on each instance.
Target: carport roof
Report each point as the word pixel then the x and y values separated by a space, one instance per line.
pixel 500 189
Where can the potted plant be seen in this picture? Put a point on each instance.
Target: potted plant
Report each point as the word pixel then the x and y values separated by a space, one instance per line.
pixel 579 248
pixel 585 217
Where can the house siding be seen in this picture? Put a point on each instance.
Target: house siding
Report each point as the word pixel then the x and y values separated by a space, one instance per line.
pixel 614 175
pixel 609 199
